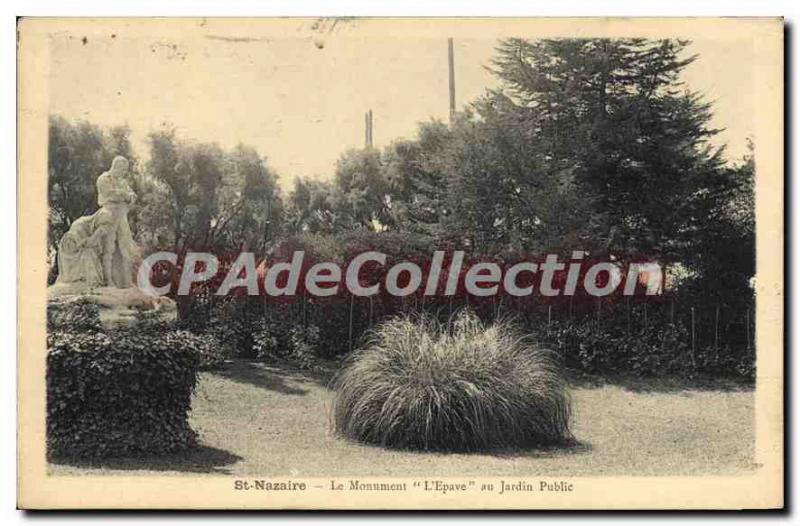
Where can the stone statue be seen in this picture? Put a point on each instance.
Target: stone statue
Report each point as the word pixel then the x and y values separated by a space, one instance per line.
pixel 96 257
pixel 99 250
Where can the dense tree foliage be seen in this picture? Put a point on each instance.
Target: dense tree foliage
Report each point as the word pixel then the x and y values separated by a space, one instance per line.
pixel 615 116
pixel 416 173
pixel 203 196
pixel 588 144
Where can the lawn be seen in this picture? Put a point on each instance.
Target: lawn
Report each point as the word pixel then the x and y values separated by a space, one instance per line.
pixel 255 419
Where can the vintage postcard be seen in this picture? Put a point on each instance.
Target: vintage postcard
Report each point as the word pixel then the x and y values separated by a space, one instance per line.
pixel 400 263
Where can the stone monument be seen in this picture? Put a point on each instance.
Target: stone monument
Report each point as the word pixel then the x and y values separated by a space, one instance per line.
pixel 97 256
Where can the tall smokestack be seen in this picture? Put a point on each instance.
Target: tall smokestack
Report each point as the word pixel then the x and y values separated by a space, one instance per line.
pixel 452 78
pixel 368 129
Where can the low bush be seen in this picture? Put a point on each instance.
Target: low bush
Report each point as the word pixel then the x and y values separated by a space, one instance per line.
pixel 269 342
pixel 420 384
pixel 230 321
pixel 304 345
pixel 662 350
pixel 210 353
pixel 119 395
pixel 289 342
pixel 125 392
pixel 80 315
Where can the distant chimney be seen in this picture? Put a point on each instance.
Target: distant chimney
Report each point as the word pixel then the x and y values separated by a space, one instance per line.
pixel 368 129
pixel 452 78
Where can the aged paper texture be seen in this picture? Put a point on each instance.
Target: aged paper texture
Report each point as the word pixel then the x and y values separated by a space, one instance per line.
pixel 400 263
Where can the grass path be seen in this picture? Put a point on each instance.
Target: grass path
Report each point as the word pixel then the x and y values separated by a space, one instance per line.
pixel 259 420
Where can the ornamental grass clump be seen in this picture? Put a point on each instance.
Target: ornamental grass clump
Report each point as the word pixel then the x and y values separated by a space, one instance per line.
pixel 469 386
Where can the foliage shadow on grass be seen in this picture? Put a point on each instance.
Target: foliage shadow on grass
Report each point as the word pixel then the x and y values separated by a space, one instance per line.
pixel 199 459
pixel 261 375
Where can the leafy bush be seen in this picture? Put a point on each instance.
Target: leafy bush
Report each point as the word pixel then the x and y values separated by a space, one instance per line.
pixel 234 334
pixel 296 343
pixel 151 322
pixel 711 361
pixel 651 351
pixel 230 321
pixel 422 385
pixel 122 394
pixel 80 315
pixel 269 342
pixel 210 353
pixel 304 345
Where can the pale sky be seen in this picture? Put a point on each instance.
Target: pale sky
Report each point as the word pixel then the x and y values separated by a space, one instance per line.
pixel 299 97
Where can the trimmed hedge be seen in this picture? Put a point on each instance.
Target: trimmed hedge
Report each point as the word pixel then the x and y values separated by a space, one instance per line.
pixel 125 393
pixel 658 350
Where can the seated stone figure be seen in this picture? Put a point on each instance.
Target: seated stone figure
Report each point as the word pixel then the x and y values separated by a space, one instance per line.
pixel 96 257
pixel 98 250
pixel 79 258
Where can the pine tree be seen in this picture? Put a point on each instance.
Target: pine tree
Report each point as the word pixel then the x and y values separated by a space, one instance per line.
pixel 637 141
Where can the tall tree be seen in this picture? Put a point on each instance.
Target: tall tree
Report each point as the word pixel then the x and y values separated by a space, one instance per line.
pixel 723 269
pixel 216 199
pixel 416 172
pixel 361 180
pixel 317 207
pixel 249 207
pixel 615 112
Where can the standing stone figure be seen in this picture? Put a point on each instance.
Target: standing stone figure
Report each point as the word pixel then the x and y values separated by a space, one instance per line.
pixel 98 250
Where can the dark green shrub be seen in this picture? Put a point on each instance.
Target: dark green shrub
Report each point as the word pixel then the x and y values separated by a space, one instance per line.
pixel 584 347
pixel 234 334
pixel 151 322
pixel 120 393
pixel 710 360
pixel 304 343
pixel 269 342
pixel 80 315
pixel 419 385
pixel 231 321
pixel 656 350
pixel 117 395
pixel 210 353
pixel 295 343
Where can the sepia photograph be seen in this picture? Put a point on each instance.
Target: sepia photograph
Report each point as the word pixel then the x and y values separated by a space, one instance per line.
pixel 400 263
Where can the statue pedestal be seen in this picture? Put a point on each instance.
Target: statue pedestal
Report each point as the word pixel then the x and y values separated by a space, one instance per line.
pixel 117 307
